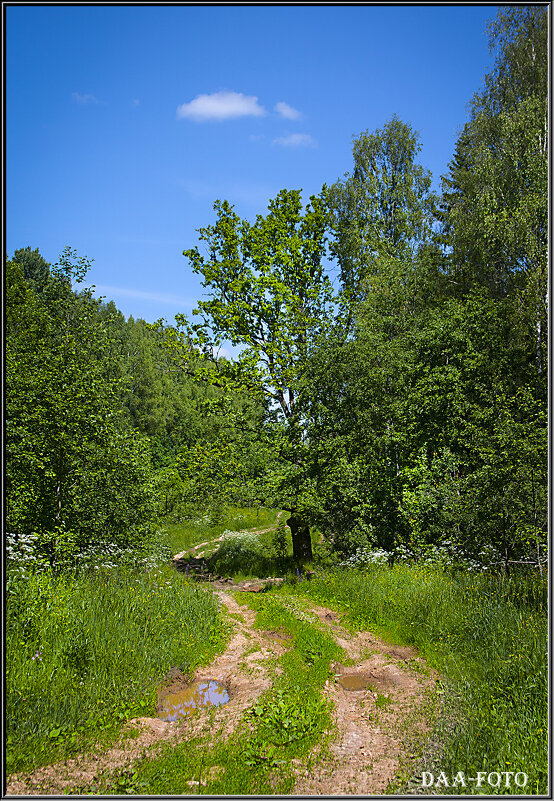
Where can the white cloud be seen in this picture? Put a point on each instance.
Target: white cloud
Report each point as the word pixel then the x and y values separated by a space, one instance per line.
pixel 295 140
pixel 221 106
pixel 286 111
pixel 84 100
pixel 225 353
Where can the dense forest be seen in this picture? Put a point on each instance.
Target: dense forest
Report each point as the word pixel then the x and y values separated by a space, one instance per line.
pixel 382 432
pixel 400 408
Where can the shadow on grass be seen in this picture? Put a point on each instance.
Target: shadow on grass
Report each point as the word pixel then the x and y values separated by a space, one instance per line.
pixel 245 557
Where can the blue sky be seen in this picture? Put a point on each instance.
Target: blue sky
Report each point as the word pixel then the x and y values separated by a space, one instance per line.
pixel 125 123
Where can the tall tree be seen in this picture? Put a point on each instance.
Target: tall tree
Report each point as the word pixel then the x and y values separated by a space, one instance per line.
pixel 75 475
pixel 495 195
pixel 385 207
pixel 382 220
pixel 270 295
pixel 35 268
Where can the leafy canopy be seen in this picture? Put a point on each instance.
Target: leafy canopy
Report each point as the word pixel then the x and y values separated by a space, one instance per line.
pixel 269 293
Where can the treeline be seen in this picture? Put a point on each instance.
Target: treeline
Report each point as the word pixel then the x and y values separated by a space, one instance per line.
pixel 404 409
pixel 102 430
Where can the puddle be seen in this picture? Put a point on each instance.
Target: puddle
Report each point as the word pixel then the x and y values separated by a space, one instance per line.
pixel 278 636
pixel 200 694
pixel 354 681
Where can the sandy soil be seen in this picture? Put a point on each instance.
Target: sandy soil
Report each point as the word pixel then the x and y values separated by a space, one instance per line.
pixel 375 736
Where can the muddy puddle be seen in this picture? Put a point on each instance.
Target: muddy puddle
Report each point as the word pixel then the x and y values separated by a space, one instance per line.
pixel 354 681
pixel 183 702
pixel 278 636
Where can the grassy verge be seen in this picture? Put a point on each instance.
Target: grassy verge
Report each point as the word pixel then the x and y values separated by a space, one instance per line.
pixel 264 550
pixel 85 653
pixel 487 637
pixel 285 723
pixel 186 534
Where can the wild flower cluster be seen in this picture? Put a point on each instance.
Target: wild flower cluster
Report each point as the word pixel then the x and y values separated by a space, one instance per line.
pixel 23 555
pixel 108 556
pixel 205 520
pixel 241 541
pixel 364 557
pixel 240 550
pixel 449 554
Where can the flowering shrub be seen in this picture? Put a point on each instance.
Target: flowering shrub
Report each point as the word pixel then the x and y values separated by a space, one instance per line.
pixel 449 555
pixel 240 550
pixel 107 556
pixel 23 555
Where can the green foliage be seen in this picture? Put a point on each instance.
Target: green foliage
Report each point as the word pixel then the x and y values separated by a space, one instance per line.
pixel 84 653
pixel 384 208
pixel 279 541
pixel 518 36
pixel 36 270
pixel 240 550
pixel 269 292
pixel 162 401
pixel 185 534
pixel 271 295
pixel 227 466
pixel 494 207
pixel 284 717
pixel 243 553
pixel 428 424
pixel 75 475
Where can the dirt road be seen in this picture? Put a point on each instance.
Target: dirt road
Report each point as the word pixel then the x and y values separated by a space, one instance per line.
pixel 378 733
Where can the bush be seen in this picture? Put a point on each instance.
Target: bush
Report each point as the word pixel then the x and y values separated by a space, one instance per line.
pixel 279 541
pixel 240 551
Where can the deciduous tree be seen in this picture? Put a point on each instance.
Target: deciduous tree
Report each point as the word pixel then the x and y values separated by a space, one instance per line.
pixel 270 295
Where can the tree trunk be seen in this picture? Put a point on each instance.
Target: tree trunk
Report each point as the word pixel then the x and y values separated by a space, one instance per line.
pixel 301 540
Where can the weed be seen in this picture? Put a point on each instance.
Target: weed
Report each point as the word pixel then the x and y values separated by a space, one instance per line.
pixel 287 715
pixel 382 701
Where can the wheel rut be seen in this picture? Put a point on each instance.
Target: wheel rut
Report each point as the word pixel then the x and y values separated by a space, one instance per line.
pixel 377 728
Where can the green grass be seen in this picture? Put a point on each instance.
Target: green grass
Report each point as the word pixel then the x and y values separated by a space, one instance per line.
pixel 487 636
pixel 184 535
pixel 285 723
pixel 85 653
pixel 253 553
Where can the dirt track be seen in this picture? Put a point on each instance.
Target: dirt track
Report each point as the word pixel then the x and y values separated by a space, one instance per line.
pixel 375 728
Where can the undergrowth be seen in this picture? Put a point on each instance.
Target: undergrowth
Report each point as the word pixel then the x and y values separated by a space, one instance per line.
pixel 186 533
